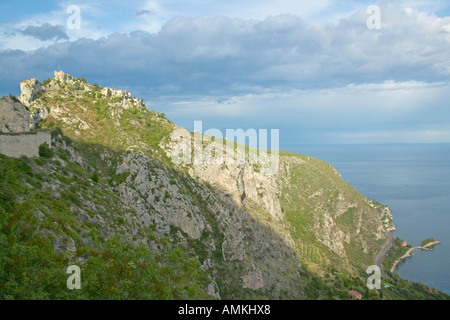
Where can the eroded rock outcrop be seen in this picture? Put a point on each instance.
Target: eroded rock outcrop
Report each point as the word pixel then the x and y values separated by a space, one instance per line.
pixel 30 89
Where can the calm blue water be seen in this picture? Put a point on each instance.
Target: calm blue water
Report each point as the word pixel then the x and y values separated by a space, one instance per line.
pixel 414 181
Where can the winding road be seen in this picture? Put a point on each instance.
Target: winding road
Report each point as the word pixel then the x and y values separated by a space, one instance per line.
pixel 380 258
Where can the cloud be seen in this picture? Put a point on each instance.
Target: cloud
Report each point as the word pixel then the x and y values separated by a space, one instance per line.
pixel 144 13
pixel 226 56
pixel 281 71
pixel 46 32
pixel 226 101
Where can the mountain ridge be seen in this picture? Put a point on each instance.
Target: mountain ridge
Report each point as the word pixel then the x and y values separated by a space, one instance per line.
pixel 300 233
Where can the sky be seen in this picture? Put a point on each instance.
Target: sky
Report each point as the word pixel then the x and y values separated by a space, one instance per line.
pixel 321 72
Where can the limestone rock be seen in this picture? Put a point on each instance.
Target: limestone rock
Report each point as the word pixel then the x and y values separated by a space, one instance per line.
pixel 213 291
pixel 63 244
pixel 30 90
pixel 38 114
pixel 14 116
pixel 254 280
pixel 62 77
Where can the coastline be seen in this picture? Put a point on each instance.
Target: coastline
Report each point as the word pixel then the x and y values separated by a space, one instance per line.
pixel 409 253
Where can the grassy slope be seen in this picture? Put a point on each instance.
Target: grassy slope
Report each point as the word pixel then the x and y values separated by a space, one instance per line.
pixel 337 277
pixel 55 201
pixel 314 189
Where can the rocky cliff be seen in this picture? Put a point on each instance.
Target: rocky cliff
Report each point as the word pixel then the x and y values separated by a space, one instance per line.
pixel 14 116
pixel 255 235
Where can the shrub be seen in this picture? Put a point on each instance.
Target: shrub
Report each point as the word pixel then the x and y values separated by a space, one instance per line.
pixel 94 177
pixel 14 98
pixel 39 161
pixel 45 151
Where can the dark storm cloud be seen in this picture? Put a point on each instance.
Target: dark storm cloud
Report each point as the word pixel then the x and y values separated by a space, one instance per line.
pixel 46 32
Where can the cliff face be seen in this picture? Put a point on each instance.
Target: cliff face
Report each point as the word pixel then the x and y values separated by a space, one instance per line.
pixel 14 116
pixel 255 234
pixel 29 90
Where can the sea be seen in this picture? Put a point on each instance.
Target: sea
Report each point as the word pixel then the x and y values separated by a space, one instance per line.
pixel 414 181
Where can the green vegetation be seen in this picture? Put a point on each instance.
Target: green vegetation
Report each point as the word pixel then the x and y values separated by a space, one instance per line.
pixel 45 151
pixel 317 190
pixel 18 133
pixel 13 98
pixel 33 219
pixel 427 241
pixel 395 253
pixel 400 289
pixel 347 218
pixel 136 126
